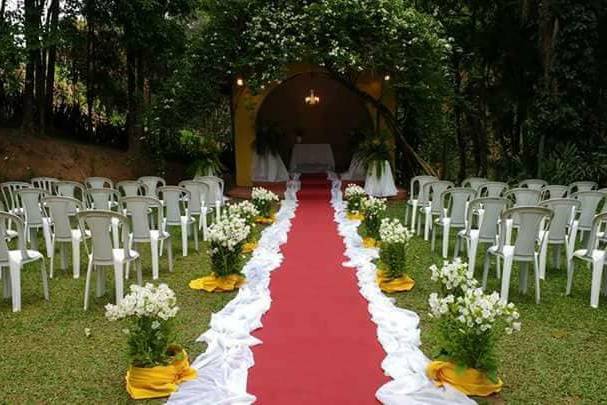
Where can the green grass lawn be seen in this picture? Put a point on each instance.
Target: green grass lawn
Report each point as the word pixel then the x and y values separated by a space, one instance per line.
pixel 45 354
pixel 560 354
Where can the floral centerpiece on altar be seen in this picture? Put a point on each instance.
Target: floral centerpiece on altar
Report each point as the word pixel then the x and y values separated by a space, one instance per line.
pixel 247 211
pixel 227 238
pixel 157 366
pixel 373 210
pixel 471 322
pixel 354 195
pixel 394 238
pixel 264 200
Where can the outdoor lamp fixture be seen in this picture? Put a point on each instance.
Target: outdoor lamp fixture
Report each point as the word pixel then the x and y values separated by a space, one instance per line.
pixel 312 99
pixel 387 77
pixel 240 82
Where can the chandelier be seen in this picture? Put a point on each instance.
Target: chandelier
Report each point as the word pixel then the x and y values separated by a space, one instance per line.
pixel 312 99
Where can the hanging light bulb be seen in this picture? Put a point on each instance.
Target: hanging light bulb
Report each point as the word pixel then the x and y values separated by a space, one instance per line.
pixel 312 99
pixel 387 78
pixel 240 82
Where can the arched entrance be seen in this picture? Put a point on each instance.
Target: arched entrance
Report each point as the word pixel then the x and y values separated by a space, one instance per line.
pixel 249 106
pixel 331 121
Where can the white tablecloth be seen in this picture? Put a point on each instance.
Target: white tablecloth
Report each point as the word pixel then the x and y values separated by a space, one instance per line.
pixel 356 171
pixel 383 186
pixel 269 167
pixel 310 157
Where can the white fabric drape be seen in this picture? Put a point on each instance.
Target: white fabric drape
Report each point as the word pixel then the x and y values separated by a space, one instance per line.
pixel 356 171
pixel 223 367
pixel 269 167
pixel 307 157
pixel 397 328
pixel 384 185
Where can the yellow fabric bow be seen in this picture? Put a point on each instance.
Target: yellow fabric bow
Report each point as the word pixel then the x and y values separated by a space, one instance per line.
pixel 469 382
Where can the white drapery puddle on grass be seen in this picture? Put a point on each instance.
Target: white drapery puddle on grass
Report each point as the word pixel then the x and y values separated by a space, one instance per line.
pixel 223 367
pixel 397 328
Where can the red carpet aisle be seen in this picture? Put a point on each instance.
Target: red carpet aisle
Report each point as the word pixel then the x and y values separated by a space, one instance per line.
pixel 319 344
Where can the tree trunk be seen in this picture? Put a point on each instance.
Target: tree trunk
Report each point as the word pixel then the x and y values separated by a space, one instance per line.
pixel 40 71
pixel 2 8
pixel 31 42
pixel 135 87
pixel 90 41
pixel 52 57
pixel 461 143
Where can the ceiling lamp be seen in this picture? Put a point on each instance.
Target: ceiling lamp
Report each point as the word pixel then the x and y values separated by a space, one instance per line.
pixel 312 99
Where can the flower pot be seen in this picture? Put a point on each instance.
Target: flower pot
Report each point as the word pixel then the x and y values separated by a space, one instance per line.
pixel 469 381
pixel 355 216
pixel 391 285
pixel 159 381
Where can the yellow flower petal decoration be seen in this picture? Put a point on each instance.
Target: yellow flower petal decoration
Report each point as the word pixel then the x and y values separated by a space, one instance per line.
pixel 469 382
pixel 213 283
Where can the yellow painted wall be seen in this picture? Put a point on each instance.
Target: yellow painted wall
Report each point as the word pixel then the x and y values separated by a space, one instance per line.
pixel 246 106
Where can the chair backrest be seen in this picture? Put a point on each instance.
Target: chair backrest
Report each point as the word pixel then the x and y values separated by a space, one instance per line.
pixel 553 191
pixel 99 223
pixel 474 182
pixel 534 184
pixel 71 189
pixel 532 219
pixel 214 194
pixel 138 208
pixel 492 189
pixel 564 210
pixel 5 220
pixel 199 192
pixel 102 198
pixel 590 201
pixel 31 201
pixel 580 186
pixel 433 191
pixel 597 223
pixel 131 188
pixel 492 209
pixel 9 193
pixel 455 201
pixel 60 209
pixel 523 196
pixel 416 188
pixel 45 183
pixel 98 182
pixel 217 180
pixel 152 183
pixel 176 203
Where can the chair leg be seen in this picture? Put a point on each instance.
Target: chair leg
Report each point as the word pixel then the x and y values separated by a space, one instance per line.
pixel 472 247
pixel 506 273
pixel 155 258
pixel 196 245
pixel 486 268
pixel 87 284
pixel 433 239
pixel 15 270
pixel 597 275
pixel 76 257
pixel 170 253
pixel 44 280
pixel 119 281
pixel 524 276
pixel 427 224
pixel 115 234
pixel 570 270
pixel 536 271
pixel 52 258
pixel 457 243
pixel 446 232
pixel 101 276
pixel 184 239
pixel 33 238
pixel 6 282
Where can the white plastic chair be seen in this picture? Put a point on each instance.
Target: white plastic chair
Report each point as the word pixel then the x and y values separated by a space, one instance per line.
pixel 12 261
pixel 590 202
pixel 60 209
pixel 562 231
pixel 553 191
pixel 152 183
pixel 492 189
pixel 45 183
pixel 487 212
pixel 580 186
pixel 9 234
pixel 198 196
pixel 454 209
pixel 139 208
pixel 522 197
pixel 596 256
pixel 98 182
pixel 526 248
pixel 72 189
pixel 474 182
pixel 417 199
pixel 434 208
pixel 104 253
pixel 131 188
pixel 105 199
pixel 176 203
pixel 34 216
pixel 214 198
pixel 11 199
pixel 533 184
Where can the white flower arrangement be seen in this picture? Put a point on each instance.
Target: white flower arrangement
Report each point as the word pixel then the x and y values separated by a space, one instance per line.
pixel 475 311
pixel 373 210
pixel 454 276
pixel 147 301
pixel 263 200
pixel 354 195
pixel 150 309
pixel 228 234
pixel 392 231
pixel 244 209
